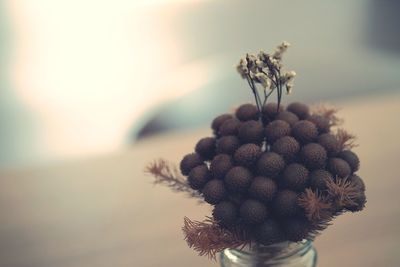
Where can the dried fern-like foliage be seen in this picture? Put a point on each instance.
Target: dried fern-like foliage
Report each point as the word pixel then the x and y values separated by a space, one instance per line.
pixel 317 206
pixel 208 238
pixel 328 111
pixel 346 139
pixel 167 174
pixel 318 226
pixel 344 192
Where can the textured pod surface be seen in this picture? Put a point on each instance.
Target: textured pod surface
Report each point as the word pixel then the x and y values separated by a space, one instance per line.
pixel 238 179
pixel 287 116
pixel 286 203
pixel 286 146
pixel 305 131
pixel 339 167
pixel 330 143
pixel 351 158
pixel 251 132
pixel 253 211
pixel 269 232
pixel 227 144
pixel 214 191
pixel 314 156
pixel 263 189
pixel 301 110
pixel 206 147
pixel 270 164
pixel 217 122
pixel 199 176
pixel 247 112
pixel 275 130
pixel 295 177
pixel 189 162
pixel 226 213
pixel 220 165
pixel 321 122
pixel 247 155
pixel 319 178
pixel 229 127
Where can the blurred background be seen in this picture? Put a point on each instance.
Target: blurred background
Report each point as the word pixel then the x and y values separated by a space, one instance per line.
pixel 83 78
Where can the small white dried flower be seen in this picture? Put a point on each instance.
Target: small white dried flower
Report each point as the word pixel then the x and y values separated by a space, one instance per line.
pixel 260 63
pixel 262 55
pixel 253 74
pixel 252 62
pixel 263 79
pixel 242 68
pixel 287 77
pixel 289 87
pixel 280 49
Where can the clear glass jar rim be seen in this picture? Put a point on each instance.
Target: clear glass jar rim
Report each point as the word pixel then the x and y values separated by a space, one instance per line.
pixel 276 251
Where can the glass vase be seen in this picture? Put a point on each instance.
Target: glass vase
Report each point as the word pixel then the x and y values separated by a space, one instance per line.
pixel 285 254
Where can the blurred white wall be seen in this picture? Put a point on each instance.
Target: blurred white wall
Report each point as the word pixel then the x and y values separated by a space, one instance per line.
pixel 81 72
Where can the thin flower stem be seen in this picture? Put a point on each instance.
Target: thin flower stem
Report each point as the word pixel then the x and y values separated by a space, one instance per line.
pixel 252 89
pixel 267 95
pixel 257 95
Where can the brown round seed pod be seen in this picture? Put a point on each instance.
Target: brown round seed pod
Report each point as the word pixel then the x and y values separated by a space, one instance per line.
pixel 263 189
pixel 270 110
pixel 227 144
pixel 339 167
pixel 205 147
pixel 287 116
pixel 268 232
pixel 199 176
pixel 253 211
pixel 286 146
pixel 319 178
pixel 314 156
pixel 251 132
pixel 247 155
pixel 301 110
pixel 229 127
pixel 214 191
pixel 226 213
pixel 296 229
pixel 351 158
pixel 270 164
pixel 220 165
pixel 237 198
pixel 305 131
pixel 238 179
pixel 330 143
pixel 275 130
pixel 356 180
pixel 217 122
pixel 189 162
pixel 286 204
pixel 247 112
pixel 295 177
pixel 321 122
pixel 359 203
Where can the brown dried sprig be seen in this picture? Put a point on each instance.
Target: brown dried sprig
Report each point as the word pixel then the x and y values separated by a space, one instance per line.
pixel 208 238
pixel 328 111
pixel 346 139
pixel 318 226
pixel 344 192
pixel 316 205
pixel 167 174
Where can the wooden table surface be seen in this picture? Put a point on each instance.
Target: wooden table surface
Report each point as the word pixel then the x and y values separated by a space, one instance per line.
pixel 106 212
